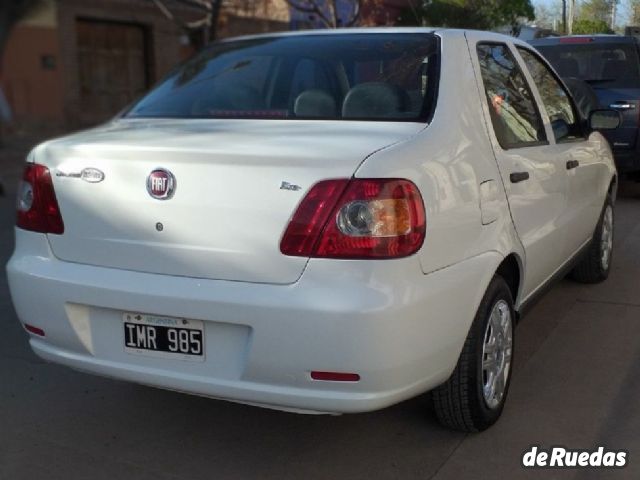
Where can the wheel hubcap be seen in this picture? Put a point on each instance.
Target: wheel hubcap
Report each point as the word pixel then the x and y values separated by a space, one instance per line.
pixel 496 354
pixel 606 240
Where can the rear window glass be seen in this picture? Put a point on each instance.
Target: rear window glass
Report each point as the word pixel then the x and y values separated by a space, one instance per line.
pixel 341 76
pixel 595 62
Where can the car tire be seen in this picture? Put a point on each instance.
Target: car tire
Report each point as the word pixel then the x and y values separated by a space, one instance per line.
pixel 595 265
pixel 466 402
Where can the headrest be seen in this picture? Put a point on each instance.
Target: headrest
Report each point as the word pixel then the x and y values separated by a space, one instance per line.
pixel 315 103
pixel 374 100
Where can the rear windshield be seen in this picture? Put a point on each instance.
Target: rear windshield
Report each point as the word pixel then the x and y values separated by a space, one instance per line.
pixel 342 77
pixel 606 63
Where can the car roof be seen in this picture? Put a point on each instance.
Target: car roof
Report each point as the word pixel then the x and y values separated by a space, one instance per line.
pixel 442 32
pixel 315 32
pixel 567 40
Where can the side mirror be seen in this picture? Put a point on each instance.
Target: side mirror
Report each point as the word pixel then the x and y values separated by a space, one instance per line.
pixel 605 119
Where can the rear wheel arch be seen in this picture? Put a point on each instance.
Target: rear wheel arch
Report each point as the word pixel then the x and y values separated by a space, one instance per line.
pixel 613 187
pixel 595 264
pixel 511 271
pixel 463 401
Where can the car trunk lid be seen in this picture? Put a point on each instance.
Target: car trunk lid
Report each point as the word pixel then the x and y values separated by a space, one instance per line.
pixel 236 189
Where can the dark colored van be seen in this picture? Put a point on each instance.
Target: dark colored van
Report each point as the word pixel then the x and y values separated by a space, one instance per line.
pixel 610 64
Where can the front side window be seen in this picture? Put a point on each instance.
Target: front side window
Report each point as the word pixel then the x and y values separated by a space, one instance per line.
pixel 341 77
pixel 560 109
pixel 514 114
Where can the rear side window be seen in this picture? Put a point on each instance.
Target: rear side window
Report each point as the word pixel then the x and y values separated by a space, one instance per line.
pixel 560 108
pixel 514 114
pixel 362 76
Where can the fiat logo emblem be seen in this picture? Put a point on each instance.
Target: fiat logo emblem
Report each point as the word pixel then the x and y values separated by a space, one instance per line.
pixel 161 184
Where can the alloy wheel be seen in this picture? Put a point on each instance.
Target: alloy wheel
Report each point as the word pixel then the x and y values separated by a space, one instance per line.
pixel 606 239
pixel 496 354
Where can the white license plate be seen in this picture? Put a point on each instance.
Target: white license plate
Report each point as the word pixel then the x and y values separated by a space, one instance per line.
pixel 163 337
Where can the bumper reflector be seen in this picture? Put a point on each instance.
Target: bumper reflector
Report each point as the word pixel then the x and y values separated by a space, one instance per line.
pixel 34 330
pixel 335 376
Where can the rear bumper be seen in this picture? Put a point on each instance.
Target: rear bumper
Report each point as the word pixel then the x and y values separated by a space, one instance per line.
pixel 399 329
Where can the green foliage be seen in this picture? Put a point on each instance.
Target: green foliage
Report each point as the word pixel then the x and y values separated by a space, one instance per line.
pixel 476 14
pixel 597 9
pixel 585 26
pixel 634 12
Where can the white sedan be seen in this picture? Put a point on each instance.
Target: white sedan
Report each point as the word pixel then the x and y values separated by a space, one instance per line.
pixel 318 222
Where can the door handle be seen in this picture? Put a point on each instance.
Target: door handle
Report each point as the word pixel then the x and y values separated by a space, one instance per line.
pixel 517 177
pixel 622 106
pixel 571 164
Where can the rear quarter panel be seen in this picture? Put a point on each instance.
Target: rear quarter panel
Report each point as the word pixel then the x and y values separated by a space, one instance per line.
pixel 448 161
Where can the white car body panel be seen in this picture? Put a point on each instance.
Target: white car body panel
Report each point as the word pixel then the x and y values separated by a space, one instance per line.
pixel 271 319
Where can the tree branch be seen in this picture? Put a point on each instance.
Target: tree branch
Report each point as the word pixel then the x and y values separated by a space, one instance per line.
pixel 414 11
pixel 302 8
pixel 192 25
pixel 312 8
pixel 333 13
pixel 163 8
pixel 355 15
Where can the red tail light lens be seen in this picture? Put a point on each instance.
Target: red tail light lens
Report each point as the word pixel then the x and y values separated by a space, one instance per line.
pixel 37 205
pixel 35 330
pixel 306 225
pixel 335 376
pixel 360 218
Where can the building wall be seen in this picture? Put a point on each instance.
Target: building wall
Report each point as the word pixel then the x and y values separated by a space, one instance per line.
pixel 32 78
pixel 40 75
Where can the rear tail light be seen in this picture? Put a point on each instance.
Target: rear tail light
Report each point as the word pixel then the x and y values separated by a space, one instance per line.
pixel 357 219
pixel 37 205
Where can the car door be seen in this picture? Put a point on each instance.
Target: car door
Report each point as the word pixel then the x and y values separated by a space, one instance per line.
pixel 534 177
pixel 572 146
